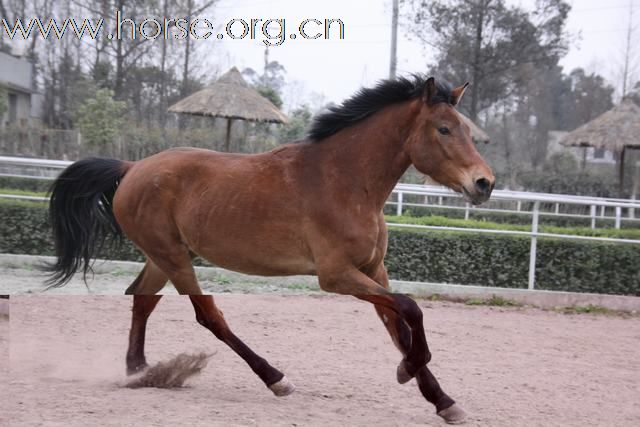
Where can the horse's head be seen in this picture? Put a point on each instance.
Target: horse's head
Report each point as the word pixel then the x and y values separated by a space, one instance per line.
pixel 440 145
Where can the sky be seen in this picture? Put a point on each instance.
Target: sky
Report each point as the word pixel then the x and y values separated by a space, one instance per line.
pixel 337 68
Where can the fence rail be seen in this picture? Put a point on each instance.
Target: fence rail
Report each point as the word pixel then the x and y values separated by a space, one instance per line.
pixel 49 169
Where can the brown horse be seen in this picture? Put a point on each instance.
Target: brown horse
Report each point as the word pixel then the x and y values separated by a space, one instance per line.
pixel 312 207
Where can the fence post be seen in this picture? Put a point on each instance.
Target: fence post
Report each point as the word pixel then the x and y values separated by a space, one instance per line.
pixel 519 205
pixel 399 205
pixel 593 217
pixel 618 216
pixel 534 244
pixel 466 212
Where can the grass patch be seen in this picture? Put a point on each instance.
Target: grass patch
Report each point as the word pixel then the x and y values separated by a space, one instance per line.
pixel 217 278
pixel 222 280
pixel 17 192
pixel 597 310
pixel 118 272
pixel 588 309
pixel 24 203
pixel 301 287
pixel 495 300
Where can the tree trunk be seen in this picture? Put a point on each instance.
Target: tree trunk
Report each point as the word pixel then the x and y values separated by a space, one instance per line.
pixel 507 148
pixel 477 59
pixel 185 68
pixel 119 80
pixel 621 170
pixel 163 79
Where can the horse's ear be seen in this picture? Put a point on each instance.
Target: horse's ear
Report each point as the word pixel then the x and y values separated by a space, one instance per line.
pixel 456 93
pixel 429 91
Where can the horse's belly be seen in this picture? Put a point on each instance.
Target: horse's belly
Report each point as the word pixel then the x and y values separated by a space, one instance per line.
pixel 258 256
pixel 258 265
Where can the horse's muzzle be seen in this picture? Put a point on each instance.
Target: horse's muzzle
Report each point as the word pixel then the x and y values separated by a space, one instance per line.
pixel 482 188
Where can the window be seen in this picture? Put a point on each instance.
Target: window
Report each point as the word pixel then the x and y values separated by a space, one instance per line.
pixel 13 107
pixel 598 153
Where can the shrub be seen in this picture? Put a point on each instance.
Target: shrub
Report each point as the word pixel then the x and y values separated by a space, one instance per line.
pixel 503 261
pixel 26 184
pixel 100 118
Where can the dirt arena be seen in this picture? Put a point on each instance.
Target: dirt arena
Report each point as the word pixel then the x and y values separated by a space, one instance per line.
pixel 507 367
pixel 4 362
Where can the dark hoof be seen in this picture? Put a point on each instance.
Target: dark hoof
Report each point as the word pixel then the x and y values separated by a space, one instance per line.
pixel 282 388
pixel 402 375
pixel 137 369
pixel 454 414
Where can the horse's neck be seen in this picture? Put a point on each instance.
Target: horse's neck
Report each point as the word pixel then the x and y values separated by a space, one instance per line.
pixel 369 157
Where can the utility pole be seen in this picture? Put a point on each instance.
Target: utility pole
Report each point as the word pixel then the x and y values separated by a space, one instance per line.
pixel 394 40
pixel 627 53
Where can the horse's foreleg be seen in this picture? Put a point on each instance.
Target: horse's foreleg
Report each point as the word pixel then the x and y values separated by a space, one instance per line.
pixel 401 336
pixel 427 383
pixel 143 305
pixel 209 316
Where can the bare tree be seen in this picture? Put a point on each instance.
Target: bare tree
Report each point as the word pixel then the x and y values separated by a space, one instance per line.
pixel 630 56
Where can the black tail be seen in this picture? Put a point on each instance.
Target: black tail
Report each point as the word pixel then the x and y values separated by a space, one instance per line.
pixel 81 215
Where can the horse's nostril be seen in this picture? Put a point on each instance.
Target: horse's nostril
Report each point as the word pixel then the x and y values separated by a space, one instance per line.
pixel 483 185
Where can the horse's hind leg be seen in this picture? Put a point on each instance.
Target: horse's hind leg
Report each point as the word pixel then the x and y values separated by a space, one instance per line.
pixel 427 383
pixel 150 280
pixel 209 316
pixel 143 305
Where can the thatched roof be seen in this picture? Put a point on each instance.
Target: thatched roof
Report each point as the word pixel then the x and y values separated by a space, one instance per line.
pixel 232 98
pixel 477 134
pixel 613 130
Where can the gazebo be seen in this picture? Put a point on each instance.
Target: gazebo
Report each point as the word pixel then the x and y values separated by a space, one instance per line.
pixel 232 98
pixel 616 130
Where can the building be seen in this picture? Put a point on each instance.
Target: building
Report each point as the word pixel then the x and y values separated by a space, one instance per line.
pixel 583 155
pixel 22 99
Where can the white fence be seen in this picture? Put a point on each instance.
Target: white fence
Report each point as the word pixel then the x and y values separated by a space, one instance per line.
pixel 542 204
pixel 535 199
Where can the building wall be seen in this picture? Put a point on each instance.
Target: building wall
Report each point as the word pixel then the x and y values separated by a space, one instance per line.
pixel 15 71
pixel 17 81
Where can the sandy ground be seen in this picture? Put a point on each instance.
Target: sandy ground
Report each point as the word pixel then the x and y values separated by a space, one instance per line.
pixel 507 367
pixel 4 367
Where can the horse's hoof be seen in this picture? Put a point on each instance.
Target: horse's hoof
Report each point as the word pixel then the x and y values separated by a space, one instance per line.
pixel 454 414
pixel 137 369
pixel 402 375
pixel 284 387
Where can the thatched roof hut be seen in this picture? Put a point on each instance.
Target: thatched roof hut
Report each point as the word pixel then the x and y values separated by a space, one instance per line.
pixel 232 98
pixel 616 130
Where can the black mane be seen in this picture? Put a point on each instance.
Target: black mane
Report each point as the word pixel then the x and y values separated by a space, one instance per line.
pixel 370 100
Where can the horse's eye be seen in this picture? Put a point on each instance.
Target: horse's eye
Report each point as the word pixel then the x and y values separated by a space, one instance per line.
pixel 444 130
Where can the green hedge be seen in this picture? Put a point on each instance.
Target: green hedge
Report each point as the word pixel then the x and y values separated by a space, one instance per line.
pixel 432 256
pixel 24 229
pixel 26 184
pixel 503 261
